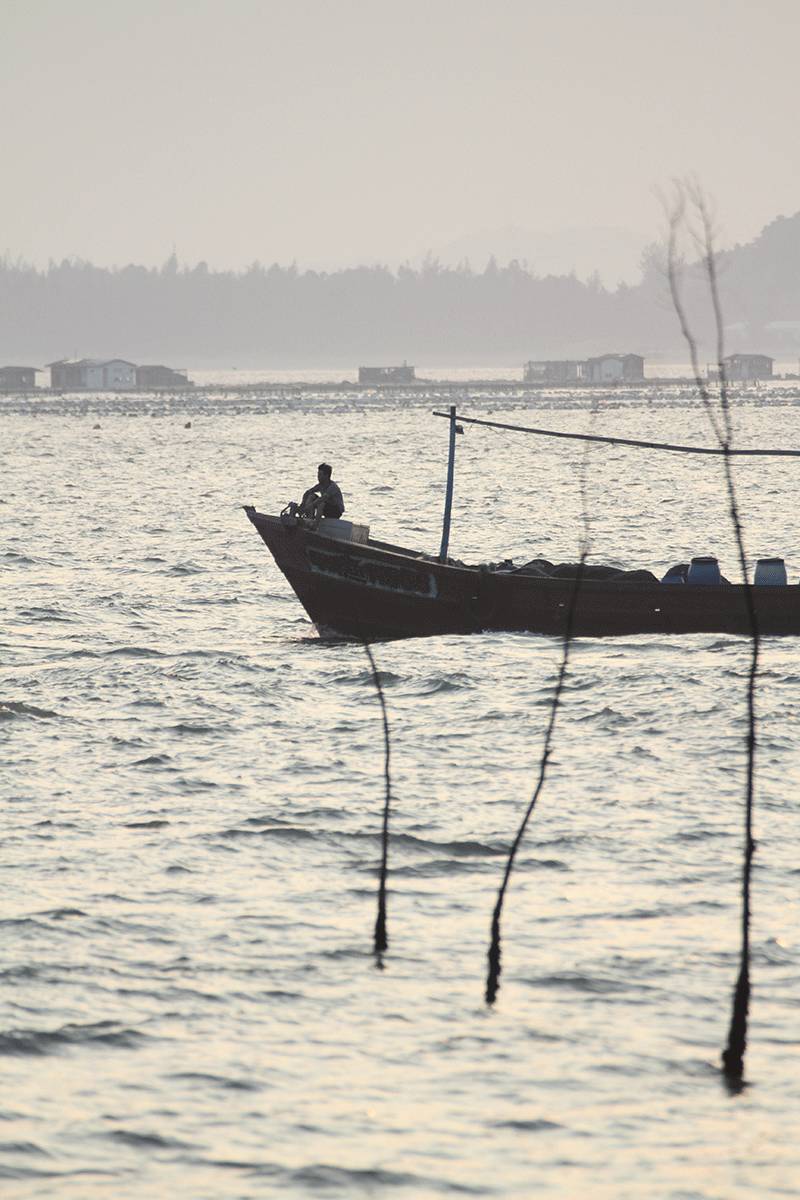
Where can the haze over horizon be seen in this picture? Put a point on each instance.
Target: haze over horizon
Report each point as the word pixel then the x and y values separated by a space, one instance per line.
pixel 362 133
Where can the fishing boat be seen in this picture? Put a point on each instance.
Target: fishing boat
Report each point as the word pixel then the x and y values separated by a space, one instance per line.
pixel 375 590
pixel 352 585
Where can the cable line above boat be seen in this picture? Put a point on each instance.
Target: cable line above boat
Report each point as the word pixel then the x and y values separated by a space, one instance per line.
pixel 620 441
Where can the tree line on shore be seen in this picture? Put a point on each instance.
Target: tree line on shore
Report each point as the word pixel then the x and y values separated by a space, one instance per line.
pixel 284 316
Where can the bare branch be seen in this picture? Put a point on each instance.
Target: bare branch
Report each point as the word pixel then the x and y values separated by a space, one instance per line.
pixel 703 238
pixel 676 219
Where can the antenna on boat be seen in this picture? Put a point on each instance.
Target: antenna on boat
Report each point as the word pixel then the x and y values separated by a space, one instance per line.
pixel 448 496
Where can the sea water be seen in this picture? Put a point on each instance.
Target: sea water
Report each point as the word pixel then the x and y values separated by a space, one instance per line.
pixel 192 789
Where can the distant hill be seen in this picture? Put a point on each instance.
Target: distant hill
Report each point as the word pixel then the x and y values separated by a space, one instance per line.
pixel 499 314
pixel 759 289
pixel 762 286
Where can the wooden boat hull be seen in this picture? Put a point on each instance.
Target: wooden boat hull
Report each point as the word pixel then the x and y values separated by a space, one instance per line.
pixel 377 590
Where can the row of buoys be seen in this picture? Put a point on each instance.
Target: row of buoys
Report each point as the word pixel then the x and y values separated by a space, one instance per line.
pixel 704 570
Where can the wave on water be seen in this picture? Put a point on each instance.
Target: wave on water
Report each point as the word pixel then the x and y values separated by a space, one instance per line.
pixel 387 678
pixel 146 1141
pixel 185 569
pixel 323 1177
pixel 18 560
pixel 22 1148
pixel 460 866
pixel 290 833
pixel 38 1042
pixel 236 1085
pixel 10 923
pixel 329 814
pixel 186 727
pixel 592 984
pixel 45 614
pixel 701 834
pixel 216 601
pixel 444 683
pixel 23 971
pixel 463 849
pixel 60 914
pixel 134 652
pixel 75 654
pixel 606 718
pixel 459 849
pixel 533 1125
pixel 429 686
pixel 17 708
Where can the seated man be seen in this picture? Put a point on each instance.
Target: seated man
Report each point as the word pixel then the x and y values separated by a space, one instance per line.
pixel 325 498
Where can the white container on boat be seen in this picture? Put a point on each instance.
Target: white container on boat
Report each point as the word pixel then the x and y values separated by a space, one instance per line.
pixel 771 572
pixel 704 570
pixel 344 531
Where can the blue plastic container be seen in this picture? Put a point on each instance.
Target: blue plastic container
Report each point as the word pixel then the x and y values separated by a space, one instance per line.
pixel 771 572
pixel 704 570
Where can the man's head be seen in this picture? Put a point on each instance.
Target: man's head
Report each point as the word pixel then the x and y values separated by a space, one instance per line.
pixel 324 473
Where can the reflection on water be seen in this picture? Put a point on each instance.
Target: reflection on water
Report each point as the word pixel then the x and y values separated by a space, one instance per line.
pixel 193 790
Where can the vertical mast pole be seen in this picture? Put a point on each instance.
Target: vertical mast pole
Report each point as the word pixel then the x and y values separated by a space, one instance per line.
pixel 448 497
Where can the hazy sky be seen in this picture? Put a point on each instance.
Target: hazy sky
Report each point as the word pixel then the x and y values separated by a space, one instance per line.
pixel 336 131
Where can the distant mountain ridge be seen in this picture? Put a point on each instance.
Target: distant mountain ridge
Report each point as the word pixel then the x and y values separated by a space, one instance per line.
pixel 281 316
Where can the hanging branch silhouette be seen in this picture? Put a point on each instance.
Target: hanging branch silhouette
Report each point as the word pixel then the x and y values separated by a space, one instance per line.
pixel 381 940
pixel 688 195
pixel 494 952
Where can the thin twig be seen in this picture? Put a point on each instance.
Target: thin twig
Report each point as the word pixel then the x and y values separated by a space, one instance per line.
pixel 733 1054
pixel 494 952
pixel 381 940
pixel 676 216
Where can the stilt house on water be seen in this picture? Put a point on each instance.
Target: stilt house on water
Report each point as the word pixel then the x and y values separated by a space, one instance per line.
pixel 82 374
pixel 18 379
pixel 606 368
pixel 555 371
pixel 741 367
pixel 615 368
pixel 378 375
pixel 112 375
pixel 157 376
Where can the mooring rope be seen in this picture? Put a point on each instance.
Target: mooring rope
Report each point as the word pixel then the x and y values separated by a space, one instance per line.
pixel 381 940
pixel 620 441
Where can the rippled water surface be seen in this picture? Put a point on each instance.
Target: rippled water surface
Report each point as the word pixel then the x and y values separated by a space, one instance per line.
pixel 192 789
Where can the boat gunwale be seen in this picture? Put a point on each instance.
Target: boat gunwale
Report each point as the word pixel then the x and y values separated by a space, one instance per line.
pixel 546 582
